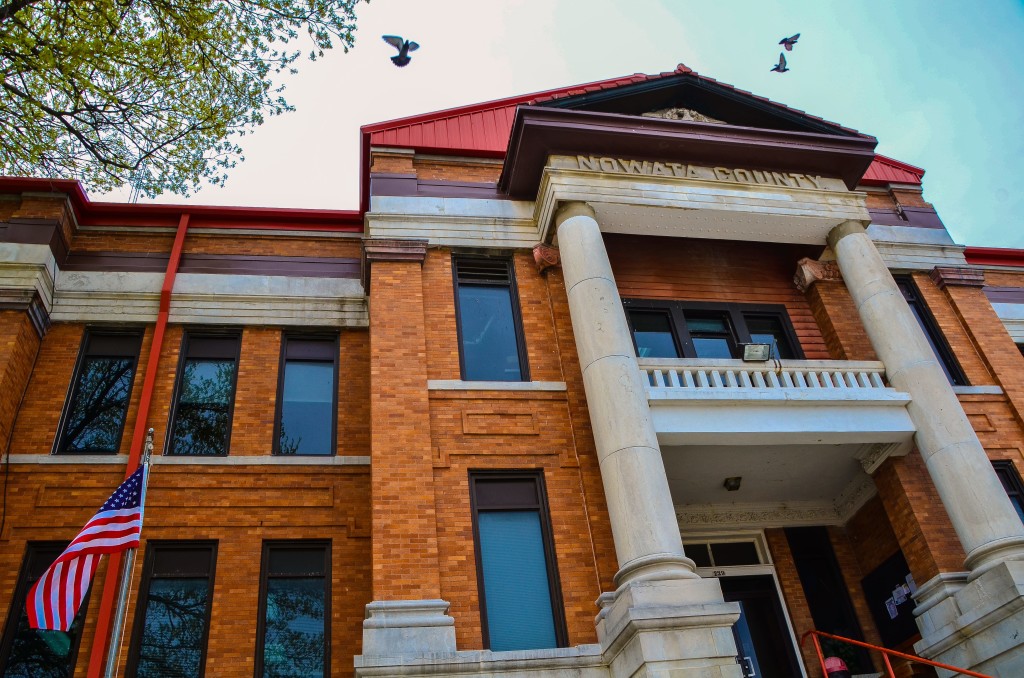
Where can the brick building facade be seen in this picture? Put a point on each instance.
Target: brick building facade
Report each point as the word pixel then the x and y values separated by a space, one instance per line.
pixel 642 377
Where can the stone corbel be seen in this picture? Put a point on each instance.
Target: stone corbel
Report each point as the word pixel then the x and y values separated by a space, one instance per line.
pixel 810 271
pixel 958 275
pixel 546 257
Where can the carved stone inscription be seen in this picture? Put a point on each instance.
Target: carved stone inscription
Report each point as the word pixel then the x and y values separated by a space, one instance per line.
pixel 677 169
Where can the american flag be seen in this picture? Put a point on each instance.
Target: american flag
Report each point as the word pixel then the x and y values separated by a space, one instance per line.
pixel 54 599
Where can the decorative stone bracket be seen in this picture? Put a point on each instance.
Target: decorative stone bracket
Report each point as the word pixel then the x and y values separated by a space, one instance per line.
pixel 388 249
pixel 546 257
pixel 957 275
pixel 810 271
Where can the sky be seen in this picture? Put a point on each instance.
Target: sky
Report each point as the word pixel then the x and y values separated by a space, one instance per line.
pixel 938 82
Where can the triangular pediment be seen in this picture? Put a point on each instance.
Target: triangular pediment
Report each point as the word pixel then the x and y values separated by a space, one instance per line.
pixel 689 97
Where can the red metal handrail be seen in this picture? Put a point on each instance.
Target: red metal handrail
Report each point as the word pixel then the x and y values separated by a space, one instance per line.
pixel 885 655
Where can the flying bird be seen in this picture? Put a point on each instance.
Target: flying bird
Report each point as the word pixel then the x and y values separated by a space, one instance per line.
pixel 403 47
pixel 781 66
pixel 789 42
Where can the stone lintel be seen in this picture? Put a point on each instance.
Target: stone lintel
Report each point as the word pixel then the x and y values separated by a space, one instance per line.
pixel 545 257
pixel 958 275
pixel 810 271
pixel 390 249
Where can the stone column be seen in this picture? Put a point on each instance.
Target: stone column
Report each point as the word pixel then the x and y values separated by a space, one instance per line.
pixel 662 619
pixel 984 519
pixel 647 540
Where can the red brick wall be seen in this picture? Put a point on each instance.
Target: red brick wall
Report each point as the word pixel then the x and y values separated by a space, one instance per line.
pixel 19 345
pixel 716 270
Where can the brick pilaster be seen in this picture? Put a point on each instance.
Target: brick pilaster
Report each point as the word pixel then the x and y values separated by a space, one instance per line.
pixel 405 556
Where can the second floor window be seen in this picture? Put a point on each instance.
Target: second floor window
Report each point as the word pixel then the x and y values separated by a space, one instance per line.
pixel 307 401
pixel 490 328
pixel 205 395
pixel 679 329
pixel 95 416
pixel 932 333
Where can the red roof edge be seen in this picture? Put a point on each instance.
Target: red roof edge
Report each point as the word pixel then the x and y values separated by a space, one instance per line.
pixel 884 159
pixel 132 214
pixel 994 256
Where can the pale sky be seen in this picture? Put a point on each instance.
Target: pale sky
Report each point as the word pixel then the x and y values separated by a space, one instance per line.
pixel 938 82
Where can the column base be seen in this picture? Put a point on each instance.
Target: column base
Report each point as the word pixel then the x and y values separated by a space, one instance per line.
pixel 679 627
pixel 408 628
pixel 976 624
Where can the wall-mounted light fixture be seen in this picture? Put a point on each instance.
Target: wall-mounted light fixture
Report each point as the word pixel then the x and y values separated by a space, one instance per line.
pixel 732 484
pixel 757 353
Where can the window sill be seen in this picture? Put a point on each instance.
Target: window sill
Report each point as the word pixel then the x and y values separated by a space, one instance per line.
pixel 977 390
pixel 458 385
pixel 266 460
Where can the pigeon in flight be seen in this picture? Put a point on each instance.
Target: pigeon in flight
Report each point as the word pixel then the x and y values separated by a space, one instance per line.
pixel 781 66
pixel 403 47
pixel 789 42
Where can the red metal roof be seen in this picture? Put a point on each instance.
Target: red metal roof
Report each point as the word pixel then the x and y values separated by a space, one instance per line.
pixel 994 256
pixel 888 171
pixel 483 129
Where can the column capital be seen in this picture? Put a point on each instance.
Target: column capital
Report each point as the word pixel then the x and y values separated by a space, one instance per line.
pixel 842 230
pixel 962 276
pixel 576 208
pixel 810 271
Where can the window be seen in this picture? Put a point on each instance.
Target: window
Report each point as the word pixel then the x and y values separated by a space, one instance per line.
pixel 307 401
pixel 31 653
pixel 1011 481
pixel 295 609
pixel 676 329
pixel 520 599
pixel 95 415
pixel 172 618
pixel 931 330
pixel 205 395
pixel 489 325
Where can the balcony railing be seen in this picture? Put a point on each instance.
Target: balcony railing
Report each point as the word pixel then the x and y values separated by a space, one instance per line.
pixel 783 380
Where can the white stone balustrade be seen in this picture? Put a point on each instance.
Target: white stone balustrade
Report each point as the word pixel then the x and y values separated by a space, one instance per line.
pixel 709 402
pixel 826 379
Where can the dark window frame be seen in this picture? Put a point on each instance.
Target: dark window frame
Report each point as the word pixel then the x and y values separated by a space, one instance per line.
pixel 179 382
pixel 265 576
pixel 736 315
pixel 1010 479
pixel 142 603
pixel 36 549
pixel 517 317
pixel 124 333
pixel 944 354
pixel 547 536
pixel 325 337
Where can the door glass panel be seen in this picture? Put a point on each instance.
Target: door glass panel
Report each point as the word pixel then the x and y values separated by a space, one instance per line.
pixel 747 654
pixel 652 331
pixel 762 636
pixel 516 589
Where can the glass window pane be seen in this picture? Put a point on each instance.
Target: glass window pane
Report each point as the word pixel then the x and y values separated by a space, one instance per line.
pixel 35 653
pixel 516 588
pixel 296 561
pixel 489 348
pixel 294 638
pixel 768 330
pixel 709 325
pixel 653 334
pixel 307 408
pixel 97 413
pixel 173 629
pixel 734 553
pixel 201 423
pixel 698 553
pixel 712 347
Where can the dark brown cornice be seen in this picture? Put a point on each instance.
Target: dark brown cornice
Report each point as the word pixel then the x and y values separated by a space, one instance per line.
pixel 539 132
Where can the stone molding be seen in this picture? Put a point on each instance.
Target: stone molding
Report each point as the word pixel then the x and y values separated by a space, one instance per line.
pixel 546 257
pixel 28 300
pixel 389 249
pixel 944 276
pixel 687 114
pixel 810 271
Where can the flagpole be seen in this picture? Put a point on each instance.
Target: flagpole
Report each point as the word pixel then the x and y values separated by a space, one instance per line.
pixel 114 651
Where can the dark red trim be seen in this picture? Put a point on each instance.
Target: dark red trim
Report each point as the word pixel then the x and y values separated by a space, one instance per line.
pixel 994 256
pixel 90 213
pixel 539 132
pixel 218 264
pixel 1004 295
